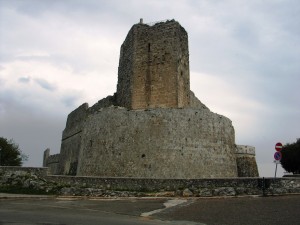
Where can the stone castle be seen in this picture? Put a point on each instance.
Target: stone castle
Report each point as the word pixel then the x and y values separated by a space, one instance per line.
pixel 153 126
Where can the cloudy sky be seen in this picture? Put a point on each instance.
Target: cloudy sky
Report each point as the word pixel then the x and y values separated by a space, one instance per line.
pixel 57 54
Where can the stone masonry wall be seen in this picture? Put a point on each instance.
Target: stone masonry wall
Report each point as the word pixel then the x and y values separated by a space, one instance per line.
pixel 35 180
pixel 125 71
pixel 53 164
pixel 105 102
pixel 160 143
pixel 71 140
pixel 46 156
pixel 246 162
pixel 154 67
pixel 51 161
pixel 195 103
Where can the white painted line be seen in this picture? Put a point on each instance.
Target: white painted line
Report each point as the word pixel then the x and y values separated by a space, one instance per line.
pixel 168 204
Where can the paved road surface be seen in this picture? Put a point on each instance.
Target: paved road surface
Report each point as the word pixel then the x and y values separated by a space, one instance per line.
pixel 280 210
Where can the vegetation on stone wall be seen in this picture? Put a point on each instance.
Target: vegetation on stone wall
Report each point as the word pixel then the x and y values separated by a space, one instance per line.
pixel 10 153
pixel 291 157
pixel 23 182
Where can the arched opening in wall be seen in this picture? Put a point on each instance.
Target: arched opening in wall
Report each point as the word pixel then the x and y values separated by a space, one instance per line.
pixel 149 47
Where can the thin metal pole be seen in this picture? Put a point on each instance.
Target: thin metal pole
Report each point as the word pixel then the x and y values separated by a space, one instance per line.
pixel 275 169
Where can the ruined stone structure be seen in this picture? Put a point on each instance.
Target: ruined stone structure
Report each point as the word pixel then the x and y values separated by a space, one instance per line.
pixel 154 67
pixel 246 163
pixel 153 126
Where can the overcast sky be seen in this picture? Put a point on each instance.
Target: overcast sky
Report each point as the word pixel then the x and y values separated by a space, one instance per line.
pixel 57 54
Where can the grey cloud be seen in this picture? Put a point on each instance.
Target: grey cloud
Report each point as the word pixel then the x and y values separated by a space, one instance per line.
pixel 31 130
pixel 33 58
pixel 247 34
pixel 7 98
pixel 45 84
pixel 24 79
pixel 90 11
pixel 70 101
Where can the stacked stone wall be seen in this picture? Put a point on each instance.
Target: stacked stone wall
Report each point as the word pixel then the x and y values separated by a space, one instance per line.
pixel 154 67
pixel 46 156
pixel 160 143
pixel 38 171
pixel 53 164
pixel 125 71
pixel 195 103
pixel 35 180
pixel 71 140
pixel 246 162
pixel 105 102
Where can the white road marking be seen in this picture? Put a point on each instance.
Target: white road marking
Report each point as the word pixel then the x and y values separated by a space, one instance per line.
pixel 168 204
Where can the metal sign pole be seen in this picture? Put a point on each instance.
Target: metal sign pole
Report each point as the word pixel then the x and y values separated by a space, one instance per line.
pixel 277 157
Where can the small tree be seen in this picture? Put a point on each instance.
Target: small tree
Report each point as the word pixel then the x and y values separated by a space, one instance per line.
pixel 10 154
pixel 290 160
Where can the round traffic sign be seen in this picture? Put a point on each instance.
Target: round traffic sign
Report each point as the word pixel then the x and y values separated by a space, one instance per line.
pixel 277 156
pixel 278 146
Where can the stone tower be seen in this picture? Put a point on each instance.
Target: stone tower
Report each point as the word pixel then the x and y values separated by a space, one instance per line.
pixel 153 126
pixel 154 67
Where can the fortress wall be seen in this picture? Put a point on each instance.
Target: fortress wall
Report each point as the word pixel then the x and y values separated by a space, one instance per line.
pixel 46 156
pixel 154 67
pixel 160 143
pixel 105 102
pixel 75 121
pixel 163 131
pixel 53 163
pixel 183 68
pixel 22 179
pixel 195 103
pixel 71 140
pixel 245 150
pixel 246 162
pixel 125 71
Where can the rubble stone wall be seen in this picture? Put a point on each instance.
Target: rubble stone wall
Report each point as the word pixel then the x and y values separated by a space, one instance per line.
pixel 71 140
pixel 35 180
pixel 246 162
pixel 158 143
pixel 53 163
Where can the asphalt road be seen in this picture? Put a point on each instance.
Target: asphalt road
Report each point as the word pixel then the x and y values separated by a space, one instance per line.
pixel 280 210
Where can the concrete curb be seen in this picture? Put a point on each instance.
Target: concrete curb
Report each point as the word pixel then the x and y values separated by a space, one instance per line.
pixel 24 196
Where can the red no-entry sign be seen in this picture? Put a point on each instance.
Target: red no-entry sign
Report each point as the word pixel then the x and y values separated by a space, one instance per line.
pixel 278 146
